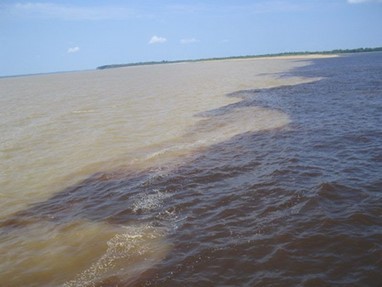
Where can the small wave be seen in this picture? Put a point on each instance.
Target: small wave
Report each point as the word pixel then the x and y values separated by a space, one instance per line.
pixel 334 191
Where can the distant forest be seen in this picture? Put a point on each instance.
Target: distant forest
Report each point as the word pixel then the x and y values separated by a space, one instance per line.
pixel 332 52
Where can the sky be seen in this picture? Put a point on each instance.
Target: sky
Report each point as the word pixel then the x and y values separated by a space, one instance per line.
pixel 52 36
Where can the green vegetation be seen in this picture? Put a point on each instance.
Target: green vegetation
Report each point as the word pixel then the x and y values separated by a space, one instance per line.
pixel 333 52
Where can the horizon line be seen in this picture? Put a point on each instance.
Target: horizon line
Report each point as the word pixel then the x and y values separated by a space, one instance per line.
pixel 146 63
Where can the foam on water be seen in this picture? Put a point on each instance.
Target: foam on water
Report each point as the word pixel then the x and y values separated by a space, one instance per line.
pixel 60 129
pixel 150 202
pixel 128 254
pixel 44 254
pixel 136 248
pixel 86 253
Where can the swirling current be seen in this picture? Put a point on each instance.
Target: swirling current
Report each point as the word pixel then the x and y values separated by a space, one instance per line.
pixel 299 205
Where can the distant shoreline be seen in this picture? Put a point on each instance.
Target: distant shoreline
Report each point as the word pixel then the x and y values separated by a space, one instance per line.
pixel 289 55
pixel 286 54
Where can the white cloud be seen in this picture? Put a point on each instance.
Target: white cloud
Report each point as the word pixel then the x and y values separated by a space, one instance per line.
pixel 363 1
pixel 188 41
pixel 157 40
pixel 73 50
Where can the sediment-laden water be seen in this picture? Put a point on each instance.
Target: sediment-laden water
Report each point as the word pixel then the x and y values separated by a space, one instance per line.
pixel 262 172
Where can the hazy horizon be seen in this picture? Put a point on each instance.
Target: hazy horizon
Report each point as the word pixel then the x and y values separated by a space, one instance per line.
pixel 54 36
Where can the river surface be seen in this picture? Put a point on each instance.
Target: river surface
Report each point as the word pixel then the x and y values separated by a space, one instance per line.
pixel 256 172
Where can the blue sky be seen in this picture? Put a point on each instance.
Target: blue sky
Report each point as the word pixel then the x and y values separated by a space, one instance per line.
pixel 49 36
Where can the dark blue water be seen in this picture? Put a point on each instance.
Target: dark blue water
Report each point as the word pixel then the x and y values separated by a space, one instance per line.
pixel 296 206
pixel 299 206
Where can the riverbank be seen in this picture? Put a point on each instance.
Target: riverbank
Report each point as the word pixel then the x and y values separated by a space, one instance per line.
pixel 266 56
